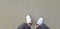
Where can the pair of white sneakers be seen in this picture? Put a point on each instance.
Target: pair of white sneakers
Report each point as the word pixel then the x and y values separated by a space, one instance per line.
pixel 29 20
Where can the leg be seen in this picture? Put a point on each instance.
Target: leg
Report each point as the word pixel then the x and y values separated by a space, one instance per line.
pixel 24 26
pixel 40 24
pixel 43 26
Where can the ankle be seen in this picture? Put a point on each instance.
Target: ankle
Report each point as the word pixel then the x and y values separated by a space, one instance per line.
pixel 29 24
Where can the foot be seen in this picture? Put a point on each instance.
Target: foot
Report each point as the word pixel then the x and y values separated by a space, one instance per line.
pixel 28 19
pixel 39 22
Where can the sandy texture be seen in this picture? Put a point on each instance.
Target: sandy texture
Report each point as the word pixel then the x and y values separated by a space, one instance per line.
pixel 13 12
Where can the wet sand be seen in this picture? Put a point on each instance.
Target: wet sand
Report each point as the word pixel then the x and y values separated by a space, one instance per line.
pixel 13 12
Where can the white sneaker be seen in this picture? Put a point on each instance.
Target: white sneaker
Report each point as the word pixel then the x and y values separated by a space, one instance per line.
pixel 28 19
pixel 40 21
